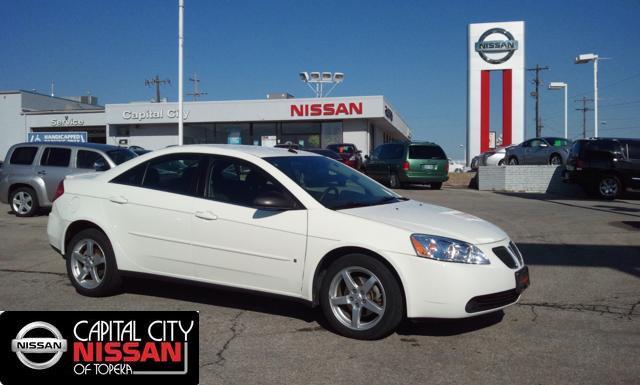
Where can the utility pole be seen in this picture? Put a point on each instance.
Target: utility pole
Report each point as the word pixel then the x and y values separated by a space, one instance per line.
pixel 584 110
pixel 156 82
pixel 536 94
pixel 196 87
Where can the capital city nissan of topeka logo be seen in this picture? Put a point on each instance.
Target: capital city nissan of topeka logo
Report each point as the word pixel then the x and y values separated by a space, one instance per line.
pixel 39 345
pixel 487 49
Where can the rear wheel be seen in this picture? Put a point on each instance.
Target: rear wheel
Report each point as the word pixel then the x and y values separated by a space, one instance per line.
pixel 513 161
pixel 501 162
pixel 435 185
pixel 608 187
pixel 555 160
pixel 91 264
pixel 24 202
pixel 361 298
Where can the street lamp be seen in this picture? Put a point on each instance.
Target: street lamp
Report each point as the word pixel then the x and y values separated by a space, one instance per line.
pixel 319 79
pixel 584 59
pixel 559 86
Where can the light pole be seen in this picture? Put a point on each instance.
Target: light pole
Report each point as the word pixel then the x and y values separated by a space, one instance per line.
pixel 180 55
pixel 583 59
pixel 565 86
pixel 320 79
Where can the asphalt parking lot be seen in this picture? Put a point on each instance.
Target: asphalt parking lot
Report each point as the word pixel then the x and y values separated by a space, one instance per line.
pixel 579 322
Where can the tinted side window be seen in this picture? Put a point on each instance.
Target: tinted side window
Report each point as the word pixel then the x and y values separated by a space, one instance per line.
pixel 392 151
pixel 23 155
pixel 633 150
pixel 426 152
pixel 238 182
pixel 132 177
pixel 57 157
pixel 86 159
pixel 177 173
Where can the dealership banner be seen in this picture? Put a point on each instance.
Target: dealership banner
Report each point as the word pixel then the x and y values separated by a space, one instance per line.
pixel 128 347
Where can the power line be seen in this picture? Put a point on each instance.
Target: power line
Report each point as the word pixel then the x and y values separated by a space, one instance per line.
pixel 156 82
pixel 536 94
pixel 196 87
pixel 584 110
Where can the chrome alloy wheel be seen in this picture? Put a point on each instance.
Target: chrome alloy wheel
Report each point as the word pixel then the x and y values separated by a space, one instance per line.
pixel 22 202
pixel 555 160
pixel 88 263
pixel 357 298
pixel 608 187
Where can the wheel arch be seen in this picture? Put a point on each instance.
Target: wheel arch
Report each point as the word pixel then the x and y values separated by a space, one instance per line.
pixel 76 227
pixel 330 257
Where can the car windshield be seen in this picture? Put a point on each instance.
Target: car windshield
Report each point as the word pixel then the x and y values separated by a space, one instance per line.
pixel 558 142
pixel 121 155
pixel 333 184
pixel 426 152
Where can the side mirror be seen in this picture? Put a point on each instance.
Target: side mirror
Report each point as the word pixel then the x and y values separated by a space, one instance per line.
pixel 273 200
pixel 100 165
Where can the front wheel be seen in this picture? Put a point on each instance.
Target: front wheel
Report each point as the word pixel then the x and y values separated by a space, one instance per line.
pixel 555 160
pixel 608 187
pixel 361 298
pixel 91 264
pixel 513 161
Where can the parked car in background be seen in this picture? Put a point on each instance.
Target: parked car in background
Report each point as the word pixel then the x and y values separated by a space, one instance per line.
pixel 139 150
pixel 324 152
pixel 397 164
pixel 547 150
pixel 33 171
pixel 282 222
pixel 604 167
pixel 349 153
pixel 455 166
pixel 293 146
pixel 493 157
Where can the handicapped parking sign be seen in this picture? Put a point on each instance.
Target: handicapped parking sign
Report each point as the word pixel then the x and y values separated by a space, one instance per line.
pixel 63 137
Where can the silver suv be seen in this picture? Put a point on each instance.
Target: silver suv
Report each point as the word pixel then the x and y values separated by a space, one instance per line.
pixel 31 172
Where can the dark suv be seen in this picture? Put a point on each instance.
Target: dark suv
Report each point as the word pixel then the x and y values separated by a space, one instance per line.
pixel 397 164
pixel 604 167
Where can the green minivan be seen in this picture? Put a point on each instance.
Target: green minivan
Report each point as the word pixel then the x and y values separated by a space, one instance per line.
pixel 396 164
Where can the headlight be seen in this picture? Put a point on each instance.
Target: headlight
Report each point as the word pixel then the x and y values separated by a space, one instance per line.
pixel 446 249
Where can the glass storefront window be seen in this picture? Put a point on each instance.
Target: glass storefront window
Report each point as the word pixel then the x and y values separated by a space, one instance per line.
pixel 264 134
pixel 305 134
pixel 199 133
pixel 331 133
pixel 233 133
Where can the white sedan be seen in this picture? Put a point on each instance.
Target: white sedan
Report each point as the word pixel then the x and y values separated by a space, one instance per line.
pixel 283 222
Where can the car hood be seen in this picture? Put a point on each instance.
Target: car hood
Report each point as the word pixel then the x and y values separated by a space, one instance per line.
pixel 424 218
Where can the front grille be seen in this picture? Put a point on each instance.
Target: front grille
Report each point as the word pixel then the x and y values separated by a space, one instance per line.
pixel 505 256
pixel 491 301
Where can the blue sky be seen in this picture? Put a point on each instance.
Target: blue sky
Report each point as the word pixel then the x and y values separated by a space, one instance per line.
pixel 413 52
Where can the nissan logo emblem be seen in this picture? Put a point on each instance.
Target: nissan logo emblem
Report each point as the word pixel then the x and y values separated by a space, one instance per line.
pixel 486 48
pixel 39 345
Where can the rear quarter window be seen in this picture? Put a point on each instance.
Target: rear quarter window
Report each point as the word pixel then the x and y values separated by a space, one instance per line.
pixel 426 152
pixel 23 155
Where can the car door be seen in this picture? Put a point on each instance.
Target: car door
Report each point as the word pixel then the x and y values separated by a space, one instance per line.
pixel 375 166
pixel 532 153
pixel 235 243
pixel 53 167
pixel 150 208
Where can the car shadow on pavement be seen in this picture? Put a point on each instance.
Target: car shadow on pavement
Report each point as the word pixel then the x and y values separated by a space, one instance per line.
pixel 443 327
pixel 603 206
pixel 622 258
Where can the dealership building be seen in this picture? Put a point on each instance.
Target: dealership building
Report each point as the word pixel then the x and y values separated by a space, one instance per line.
pixel 365 121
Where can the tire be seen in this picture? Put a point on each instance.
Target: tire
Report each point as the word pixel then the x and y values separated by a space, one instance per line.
pixel 513 161
pixel 608 187
pixel 555 160
pixel 24 202
pixel 501 162
pixel 106 269
pixel 435 185
pixel 394 181
pixel 385 296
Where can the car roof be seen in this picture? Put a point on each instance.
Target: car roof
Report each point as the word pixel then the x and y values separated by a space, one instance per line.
pixel 94 146
pixel 234 150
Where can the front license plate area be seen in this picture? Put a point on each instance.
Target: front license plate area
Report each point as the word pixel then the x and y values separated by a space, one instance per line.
pixel 522 279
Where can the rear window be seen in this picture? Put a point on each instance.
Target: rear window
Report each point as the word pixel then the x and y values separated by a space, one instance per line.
pixel 23 155
pixel 56 157
pixel 120 156
pixel 557 142
pixel 426 152
pixel 605 145
pixel 633 149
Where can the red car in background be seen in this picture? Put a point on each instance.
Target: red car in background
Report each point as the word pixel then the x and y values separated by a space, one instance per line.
pixel 349 154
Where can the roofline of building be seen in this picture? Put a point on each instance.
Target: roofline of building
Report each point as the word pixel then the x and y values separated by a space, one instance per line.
pixel 47 112
pixel 20 91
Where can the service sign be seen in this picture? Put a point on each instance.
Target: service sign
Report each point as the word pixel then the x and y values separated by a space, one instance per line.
pixel 99 347
pixel 63 137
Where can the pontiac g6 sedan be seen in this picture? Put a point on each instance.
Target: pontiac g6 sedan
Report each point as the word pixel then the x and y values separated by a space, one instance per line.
pixel 283 222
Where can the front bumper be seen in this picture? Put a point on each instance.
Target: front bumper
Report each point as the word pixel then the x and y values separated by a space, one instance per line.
pixel 436 289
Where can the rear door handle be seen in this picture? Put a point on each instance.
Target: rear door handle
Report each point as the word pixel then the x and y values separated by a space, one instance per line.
pixel 206 215
pixel 118 199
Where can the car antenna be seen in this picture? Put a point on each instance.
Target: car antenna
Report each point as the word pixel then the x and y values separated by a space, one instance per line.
pixel 291 149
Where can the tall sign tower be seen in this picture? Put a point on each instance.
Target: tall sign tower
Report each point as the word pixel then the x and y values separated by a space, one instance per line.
pixel 495 47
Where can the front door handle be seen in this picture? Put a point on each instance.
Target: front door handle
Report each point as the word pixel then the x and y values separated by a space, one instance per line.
pixel 118 199
pixel 206 215
pixel 42 172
